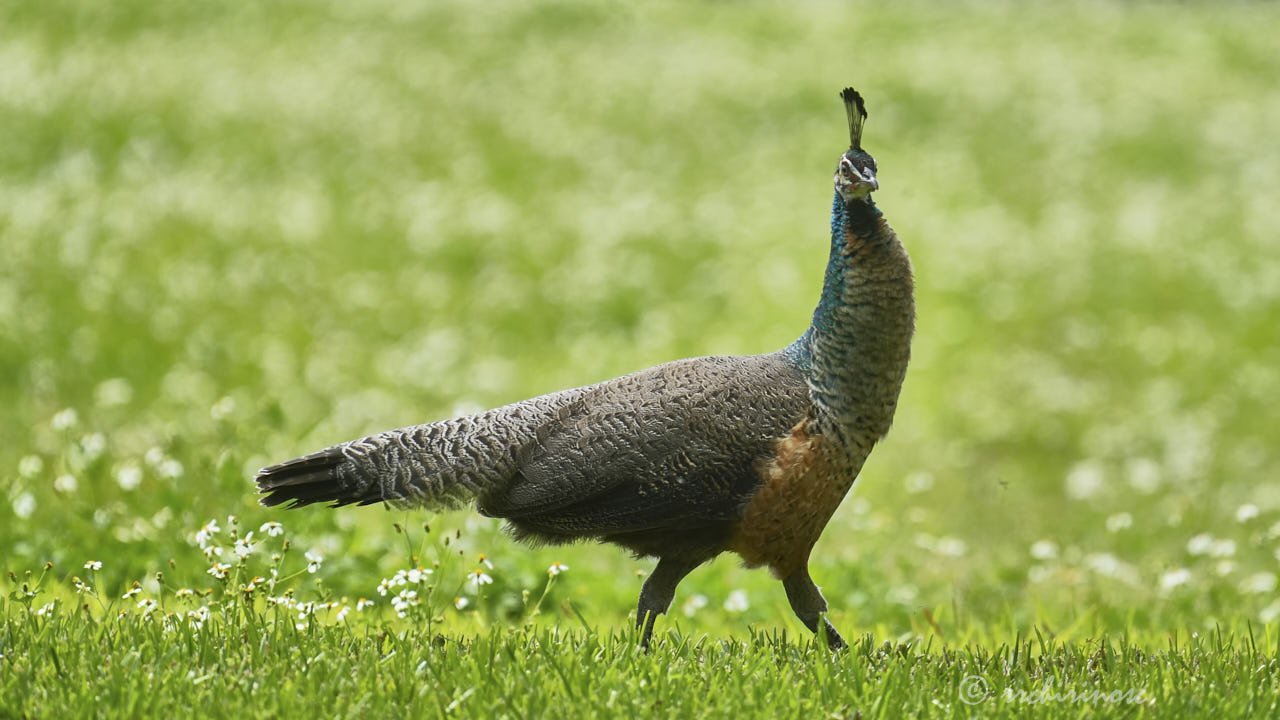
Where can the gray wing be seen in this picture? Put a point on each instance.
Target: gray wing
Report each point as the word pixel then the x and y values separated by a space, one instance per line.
pixel 677 445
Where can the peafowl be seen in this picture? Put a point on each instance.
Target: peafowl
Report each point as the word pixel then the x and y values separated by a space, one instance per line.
pixel 683 461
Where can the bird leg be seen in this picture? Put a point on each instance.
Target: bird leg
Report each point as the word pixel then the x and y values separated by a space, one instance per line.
pixel 657 592
pixel 809 605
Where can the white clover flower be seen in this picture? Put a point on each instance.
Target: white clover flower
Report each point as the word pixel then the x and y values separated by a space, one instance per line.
pixel 1044 550
pixel 30 466
pixel 556 568
pixel 342 614
pixel 694 604
pixel 24 505
pixel 206 533
pixel 1119 521
pixel 1174 578
pixel 219 570
pixel 131 592
pixel 485 561
pixel 461 602
pixel 272 528
pixel 361 604
pixel 65 483
pixel 129 476
pixel 1263 582
pixel 64 419
pixel 737 601
pixel 478 578
pixel 93 565
pixel 314 560
pixel 1246 512
pixel 418 575
pixel 1200 544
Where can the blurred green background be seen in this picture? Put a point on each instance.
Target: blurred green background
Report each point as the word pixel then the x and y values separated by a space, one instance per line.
pixel 233 233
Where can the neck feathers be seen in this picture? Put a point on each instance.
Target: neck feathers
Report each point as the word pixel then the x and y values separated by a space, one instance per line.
pixel 855 351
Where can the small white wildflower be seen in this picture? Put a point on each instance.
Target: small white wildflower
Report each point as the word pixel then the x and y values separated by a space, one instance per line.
pixel 384 586
pixel 478 578
pixel 79 586
pixel 1246 512
pixel 1223 548
pixel 1174 578
pixel 737 601
pixel 212 551
pixel 418 575
pixel 272 528
pixel 301 625
pixel 154 456
pixel 918 482
pixel 405 600
pixel 1200 544
pixel 461 602
pixel 184 592
pixel 47 609
pixel 313 561
pixel 244 546
pixel 170 468
pixel 1263 582
pixel 147 605
pixel 131 592
pixel 198 617
pixel 1270 612
pixel 129 476
pixel 485 561
pixel 65 483
pixel 342 614
pixel 1119 521
pixel 219 570
pixel 24 505
pixel 93 445
pixel 951 547
pixel 693 604
pixel 1085 480
pixel 361 604
pixel 112 392
pixel 1044 550
pixel 1224 567
pixel 556 568
pixel 206 533
pixel 223 408
pixel 93 565
pixel 30 466
pixel 64 419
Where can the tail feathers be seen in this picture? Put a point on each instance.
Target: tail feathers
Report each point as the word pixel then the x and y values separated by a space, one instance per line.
pixel 314 478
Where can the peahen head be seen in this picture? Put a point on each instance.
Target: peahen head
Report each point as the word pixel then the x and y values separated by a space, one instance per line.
pixel 856 174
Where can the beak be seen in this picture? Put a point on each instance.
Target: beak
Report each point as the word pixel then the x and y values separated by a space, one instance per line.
pixel 870 179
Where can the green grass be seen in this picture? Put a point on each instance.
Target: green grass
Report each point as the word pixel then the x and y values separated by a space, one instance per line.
pixel 234 233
